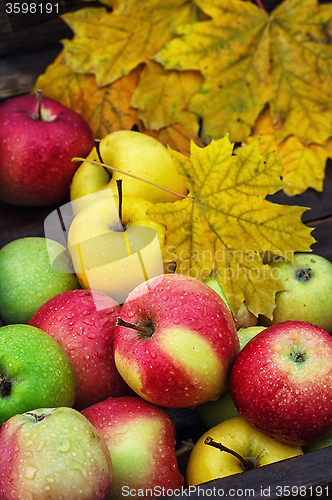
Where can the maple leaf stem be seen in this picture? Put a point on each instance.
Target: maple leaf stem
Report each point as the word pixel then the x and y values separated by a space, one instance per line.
pixel 261 6
pixel 131 175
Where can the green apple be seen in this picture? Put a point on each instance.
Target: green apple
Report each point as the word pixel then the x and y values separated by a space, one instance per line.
pixel 28 278
pixel 323 442
pixel 214 412
pixel 213 283
pixel 35 371
pixel 55 454
pixel 111 254
pixel 308 294
pixel 243 318
pixel 133 153
pixel 207 462
pixel 246 334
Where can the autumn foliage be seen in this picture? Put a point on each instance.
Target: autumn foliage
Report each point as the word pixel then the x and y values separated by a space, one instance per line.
pixel 189 72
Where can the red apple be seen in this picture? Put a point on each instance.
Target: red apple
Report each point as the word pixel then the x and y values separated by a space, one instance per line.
pixel 37 144
pixel 281 382
pixel 54 454
pixel 176 341
pixel 141 439
pixel 83 323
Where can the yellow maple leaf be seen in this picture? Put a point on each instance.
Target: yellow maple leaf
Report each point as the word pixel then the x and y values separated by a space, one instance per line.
pixel 106 109
pixel 249 58
pixel 111 44
pixel 163 96
pixel 303 163
pixel 225 224
pixel 175 136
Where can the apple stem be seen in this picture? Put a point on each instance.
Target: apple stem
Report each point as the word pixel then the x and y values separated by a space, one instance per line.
pixel 119 186
pixel 38 94
pixel 245 464
pixel 97 146
pixel 38 418
pixel 185 447
pixel 140 328
pixel 131 175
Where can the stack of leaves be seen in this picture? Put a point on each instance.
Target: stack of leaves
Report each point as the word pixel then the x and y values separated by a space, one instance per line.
pixel 213 73
pixel 183 68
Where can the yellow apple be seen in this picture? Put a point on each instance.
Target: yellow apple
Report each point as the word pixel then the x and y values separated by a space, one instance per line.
pixel 111 255
pixel 206 462
pixel 134 153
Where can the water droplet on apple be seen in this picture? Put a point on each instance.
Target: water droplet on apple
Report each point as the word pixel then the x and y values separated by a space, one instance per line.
pixel 30 472
pixel 64 445
pixel 102 353
pixel 89 321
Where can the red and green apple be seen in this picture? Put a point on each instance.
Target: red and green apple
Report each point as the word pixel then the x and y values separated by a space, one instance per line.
pixel 281 382
pixel 83 323
pixel 141 440
pixel 53 453
pixel 175 341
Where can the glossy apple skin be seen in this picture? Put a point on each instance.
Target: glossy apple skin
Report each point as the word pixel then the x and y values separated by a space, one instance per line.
pixel 281 382
pixel 28 279
pixel 246 334
pixel 207 463
pixel 83 323
pixel 137 154
pixel 38 370
pixel 187 360
pixel 108 259
pixel 214 412
pixel 308 294
pixel 243 318
pixel 53 453
pixel 35 155
pixel 141 440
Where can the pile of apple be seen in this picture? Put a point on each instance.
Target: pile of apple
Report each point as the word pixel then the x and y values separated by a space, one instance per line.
pixel 101 338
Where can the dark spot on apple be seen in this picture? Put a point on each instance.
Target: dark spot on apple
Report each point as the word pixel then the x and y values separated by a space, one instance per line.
pixel 303 275
pixel 5 386
pixel 298 357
